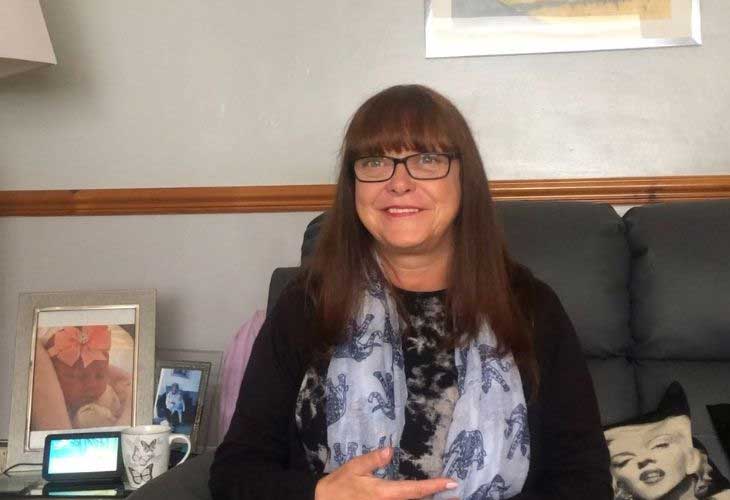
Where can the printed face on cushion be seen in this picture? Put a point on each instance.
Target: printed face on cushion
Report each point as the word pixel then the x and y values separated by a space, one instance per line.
pixel 651 459
pixel 406 215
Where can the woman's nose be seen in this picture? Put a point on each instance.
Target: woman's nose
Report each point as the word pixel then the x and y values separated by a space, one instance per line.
pixel 401 181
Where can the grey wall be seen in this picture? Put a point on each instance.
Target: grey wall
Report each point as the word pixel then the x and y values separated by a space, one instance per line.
pixel 211 272
pixel 223 92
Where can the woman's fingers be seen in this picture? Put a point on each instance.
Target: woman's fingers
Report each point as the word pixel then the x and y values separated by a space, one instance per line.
pixel 365 464
pixel 355 480
pixel 403 490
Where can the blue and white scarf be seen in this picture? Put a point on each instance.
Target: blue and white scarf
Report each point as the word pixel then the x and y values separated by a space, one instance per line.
pixel 488 443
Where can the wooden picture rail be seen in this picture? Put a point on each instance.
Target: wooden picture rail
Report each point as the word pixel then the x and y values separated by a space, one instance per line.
pixel 302 198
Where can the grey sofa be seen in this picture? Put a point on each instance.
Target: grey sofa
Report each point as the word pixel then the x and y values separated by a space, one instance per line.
pixel 649 294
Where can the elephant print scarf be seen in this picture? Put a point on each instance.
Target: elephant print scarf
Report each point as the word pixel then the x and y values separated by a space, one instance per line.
pixel 488 442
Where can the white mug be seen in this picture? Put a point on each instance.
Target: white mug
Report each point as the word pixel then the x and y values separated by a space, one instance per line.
pixel 146 452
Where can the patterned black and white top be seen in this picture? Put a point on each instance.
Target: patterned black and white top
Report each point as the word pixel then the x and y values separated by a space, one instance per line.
pixel 432 390
pixel 432 393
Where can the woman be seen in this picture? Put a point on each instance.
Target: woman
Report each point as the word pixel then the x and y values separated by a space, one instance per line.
pixel 413 358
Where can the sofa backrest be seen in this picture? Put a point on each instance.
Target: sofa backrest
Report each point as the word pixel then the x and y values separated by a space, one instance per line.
pixel 649 295
pixel 680 303
pixel 580 250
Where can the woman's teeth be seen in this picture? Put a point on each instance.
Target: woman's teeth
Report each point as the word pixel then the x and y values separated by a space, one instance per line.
pixel 403 210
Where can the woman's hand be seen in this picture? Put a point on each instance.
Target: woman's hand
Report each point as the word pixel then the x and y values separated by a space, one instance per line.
pixel 355 481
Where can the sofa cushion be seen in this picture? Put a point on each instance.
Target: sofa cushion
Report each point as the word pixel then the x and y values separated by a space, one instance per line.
pixel 580 250
pixel 680 287
pixel 615 385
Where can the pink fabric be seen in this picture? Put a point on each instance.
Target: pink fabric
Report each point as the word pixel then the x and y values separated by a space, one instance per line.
pixel 234 365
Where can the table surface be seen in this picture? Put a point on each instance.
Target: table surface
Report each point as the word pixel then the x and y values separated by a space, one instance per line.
pixel 20 484
pixel 24 485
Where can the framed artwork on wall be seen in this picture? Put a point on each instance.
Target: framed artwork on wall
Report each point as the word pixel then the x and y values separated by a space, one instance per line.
pixel 84 361
pixel 180 397
pixel 493 27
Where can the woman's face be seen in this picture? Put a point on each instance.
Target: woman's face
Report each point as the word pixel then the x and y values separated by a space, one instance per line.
pixel 649 459
pixel 409 216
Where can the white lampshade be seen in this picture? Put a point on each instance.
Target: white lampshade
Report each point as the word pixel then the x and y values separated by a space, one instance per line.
pixel 24 40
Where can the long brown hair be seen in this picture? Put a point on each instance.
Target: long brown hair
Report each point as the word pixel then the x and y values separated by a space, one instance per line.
pixel 414 117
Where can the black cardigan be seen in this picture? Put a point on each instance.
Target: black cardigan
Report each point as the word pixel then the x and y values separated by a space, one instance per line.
pixel 262 457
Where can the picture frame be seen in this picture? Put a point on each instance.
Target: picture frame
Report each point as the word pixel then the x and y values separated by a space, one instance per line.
pixel 180 397
pixel 84 360
pixel 208 432
pixel 455 28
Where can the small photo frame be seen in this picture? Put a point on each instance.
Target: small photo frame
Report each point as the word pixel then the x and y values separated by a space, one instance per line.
pixel 180 396
pixel 207 437
pixel 84 362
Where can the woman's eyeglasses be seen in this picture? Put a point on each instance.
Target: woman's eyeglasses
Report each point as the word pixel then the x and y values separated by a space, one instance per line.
pixel 421 166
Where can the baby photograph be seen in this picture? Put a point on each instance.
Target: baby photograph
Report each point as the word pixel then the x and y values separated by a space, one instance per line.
pixel 82 371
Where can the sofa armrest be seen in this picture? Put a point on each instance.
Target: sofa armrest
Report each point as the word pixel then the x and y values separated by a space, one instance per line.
pixel 279 279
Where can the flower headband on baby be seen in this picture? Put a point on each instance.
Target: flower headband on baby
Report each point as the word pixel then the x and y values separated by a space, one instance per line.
pixel 90 343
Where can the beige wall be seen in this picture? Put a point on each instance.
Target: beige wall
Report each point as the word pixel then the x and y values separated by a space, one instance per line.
pixel 223 92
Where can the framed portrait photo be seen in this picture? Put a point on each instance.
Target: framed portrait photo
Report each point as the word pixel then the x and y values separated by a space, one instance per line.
pixel 84 361
pixel 180 397
pixel 207 436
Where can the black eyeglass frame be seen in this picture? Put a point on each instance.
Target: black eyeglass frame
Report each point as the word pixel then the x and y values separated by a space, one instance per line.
pixel 397 161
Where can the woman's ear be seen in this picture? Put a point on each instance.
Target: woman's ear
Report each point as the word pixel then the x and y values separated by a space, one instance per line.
pixel 694 461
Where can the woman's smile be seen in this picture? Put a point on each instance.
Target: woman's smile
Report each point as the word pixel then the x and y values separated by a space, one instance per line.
pixel 397 211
